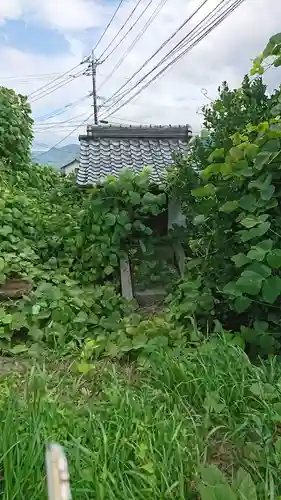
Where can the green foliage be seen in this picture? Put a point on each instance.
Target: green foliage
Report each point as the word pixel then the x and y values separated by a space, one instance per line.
pixel 233 110
pixel 15 129
pixel 112 217
pixel 233 240
pixel 67 242
pixel 215 486
pixel 272 52
pixel 179 426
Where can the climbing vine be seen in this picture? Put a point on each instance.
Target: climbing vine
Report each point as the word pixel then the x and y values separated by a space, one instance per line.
pixel 234 240
pixel 15 128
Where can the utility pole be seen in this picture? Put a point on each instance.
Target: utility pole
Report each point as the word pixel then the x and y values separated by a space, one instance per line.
pixel 94 77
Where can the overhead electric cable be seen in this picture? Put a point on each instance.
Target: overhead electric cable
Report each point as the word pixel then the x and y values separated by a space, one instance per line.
pixel 158 50
pixel 236 4
pixel 56 79
pixel 119 31
pixel 68 135
pixel 56 87
pixel 127 32
pixel 110 22
pixel 179 45
pixel 62 110
pixel 135 41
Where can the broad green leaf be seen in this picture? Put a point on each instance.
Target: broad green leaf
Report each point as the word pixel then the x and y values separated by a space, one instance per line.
pixel 214 485
pixel 267 193
pixel 149 198
pixel 249 221
pixel 199 219
pixel 231 289
pixel 274 258
pixel 271 289
pixel 139 341
pixel 18 349
pixel 240 259
pixel 261 326
pixel 2 264
pixel 276 110
pixel 262 159
pixel 259 268
pixel 248 202
pixel 277 62
pixel 272 146
pixel 257 389
pixel 220 492
pixel 212 475
pixel 274 40
pixel 84 367
pixel 149 467
pixel 236 153
pixel 255 232
pixel 108 270
pixel 229 206
pixel 81 317
pixel 261 182
pixel 251 150
pixel 266 244
pixel 5 230
pixel 204 191
pixel 257 253
pixel 6 319
pixel 217 154
pixel 109 219
pixel 241 304
pixel 245 486
pixel 250 282
pixel 213 168
pixel 135 198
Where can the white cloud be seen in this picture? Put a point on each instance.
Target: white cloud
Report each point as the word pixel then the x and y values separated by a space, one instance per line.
pixel 176 97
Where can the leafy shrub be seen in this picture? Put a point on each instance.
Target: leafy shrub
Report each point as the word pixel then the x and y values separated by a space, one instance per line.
pixel 67 243
pixel 15 129
pixel 233 238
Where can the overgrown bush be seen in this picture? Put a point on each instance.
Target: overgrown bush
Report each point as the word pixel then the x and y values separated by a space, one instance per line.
pixel 67 243
pixel 234 239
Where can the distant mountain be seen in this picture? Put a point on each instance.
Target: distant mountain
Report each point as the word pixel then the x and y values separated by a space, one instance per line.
pixel 56 157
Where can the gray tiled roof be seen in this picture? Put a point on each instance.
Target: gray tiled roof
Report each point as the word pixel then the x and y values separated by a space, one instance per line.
pixel 105 150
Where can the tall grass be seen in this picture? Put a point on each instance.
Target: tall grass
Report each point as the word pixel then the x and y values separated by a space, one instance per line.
pixel 145 436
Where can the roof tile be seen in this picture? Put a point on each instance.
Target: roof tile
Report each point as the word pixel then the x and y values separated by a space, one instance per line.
pixel 106 150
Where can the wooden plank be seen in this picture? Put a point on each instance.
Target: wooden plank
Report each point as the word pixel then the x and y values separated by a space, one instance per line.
pixel 126 280
pixel 180 256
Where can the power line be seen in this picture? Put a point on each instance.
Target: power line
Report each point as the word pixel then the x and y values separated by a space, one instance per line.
pixel 62 123
pixel 179 45
pixel 210 15
pixel 121 29
pixel 66 137
pixel 25 77
pixel 135 41
pixel 62 110
pixel 74 67
pixel 69 123
pixel 110 22
pixel 158 50
pixel 128 31
pixel 171 63
pixel 57 86
pixel 228 11
pixel 56 79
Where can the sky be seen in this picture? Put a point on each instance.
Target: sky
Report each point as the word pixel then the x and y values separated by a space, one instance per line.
pixel 42 40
